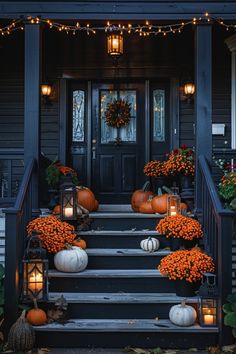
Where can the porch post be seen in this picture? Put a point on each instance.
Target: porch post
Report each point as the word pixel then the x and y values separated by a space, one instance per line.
pixel 203 101
pixel 32 102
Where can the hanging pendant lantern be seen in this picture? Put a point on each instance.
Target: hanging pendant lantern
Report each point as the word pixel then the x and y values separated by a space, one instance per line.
pixel 115 45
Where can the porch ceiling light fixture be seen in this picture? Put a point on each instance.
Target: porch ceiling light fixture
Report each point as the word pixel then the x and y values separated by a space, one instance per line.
pixel 46 91
pixel 115 45
pixel 188 91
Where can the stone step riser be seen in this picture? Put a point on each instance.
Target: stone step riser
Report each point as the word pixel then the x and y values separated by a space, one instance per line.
pixel 122 339
pixel 124 262
pixel 124 223
pixel 128 241
pixel 110 284
pixel 120 311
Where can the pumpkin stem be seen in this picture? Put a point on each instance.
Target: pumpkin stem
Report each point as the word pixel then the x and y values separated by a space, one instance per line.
pixel 146 186
pixel 35 303
pixel 183 302
pixel 167 190
pixel 68 246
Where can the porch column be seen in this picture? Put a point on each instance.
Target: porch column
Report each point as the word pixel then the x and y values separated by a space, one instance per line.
pixel 32 102
pixel 203 100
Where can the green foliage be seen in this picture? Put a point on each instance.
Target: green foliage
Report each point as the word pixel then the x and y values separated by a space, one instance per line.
pixel 230 312
pixel 227 189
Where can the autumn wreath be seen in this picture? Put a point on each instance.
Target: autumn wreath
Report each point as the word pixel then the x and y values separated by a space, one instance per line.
pixel 118 113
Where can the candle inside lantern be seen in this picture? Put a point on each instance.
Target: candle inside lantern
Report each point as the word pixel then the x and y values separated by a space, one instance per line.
pixel 173 210
pixel 232 165
pixel 36 283
pixel 208 319
pixel 68 212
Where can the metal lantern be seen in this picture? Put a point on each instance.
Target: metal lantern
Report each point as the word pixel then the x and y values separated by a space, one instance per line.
pixel 208 301
pixel 173 202
pixel 35 267
pixel 46 90
pixel 115 44
pixel 189 88
pixel 68 200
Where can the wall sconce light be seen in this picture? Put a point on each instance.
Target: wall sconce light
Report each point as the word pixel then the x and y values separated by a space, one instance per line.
pixel 46 91
pixel 68 200
pixel 208 301
pixel 188 91
pixel 35 267
pixel 173 202
pixel 115 45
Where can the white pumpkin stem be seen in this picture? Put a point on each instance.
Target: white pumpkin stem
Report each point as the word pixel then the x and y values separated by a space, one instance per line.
pixel 68 246
pixel 35 303
pixel 183 302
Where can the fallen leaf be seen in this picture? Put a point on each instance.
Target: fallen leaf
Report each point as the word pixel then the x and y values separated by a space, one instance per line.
pixel 156 318
pixel 43 350
pixel 131 322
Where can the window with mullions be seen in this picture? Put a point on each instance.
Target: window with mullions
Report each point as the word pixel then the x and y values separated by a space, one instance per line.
pixel 158 115
pixel 78 116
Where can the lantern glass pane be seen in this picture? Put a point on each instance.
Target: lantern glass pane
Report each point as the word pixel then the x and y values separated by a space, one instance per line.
pixel 34 279
pixel 159 115
pixel 208 312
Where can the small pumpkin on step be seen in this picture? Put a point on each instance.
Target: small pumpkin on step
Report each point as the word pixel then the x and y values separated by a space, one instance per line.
pixel 36 316
pixel 146 207
pixel 150 244
pixel 139 196
pixel 182 315
pixel 79 242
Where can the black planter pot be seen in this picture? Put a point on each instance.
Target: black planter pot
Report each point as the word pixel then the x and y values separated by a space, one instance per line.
pixel 185 289
pixel 175 243
pixel 157 182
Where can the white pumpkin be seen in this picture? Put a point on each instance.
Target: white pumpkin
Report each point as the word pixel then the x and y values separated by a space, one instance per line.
pixel 182 314
pixel 150 244
pixel 73 259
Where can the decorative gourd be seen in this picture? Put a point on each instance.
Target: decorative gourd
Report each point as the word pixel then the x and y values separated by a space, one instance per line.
pixel 140 196
pixel 21 336
pixel 146 207
pixel 182 314
pixel 85 197
pixel 159 204
pixel 150 244
pixel 96 205
pixel 36 316
pixel 73 259
pixel 79 242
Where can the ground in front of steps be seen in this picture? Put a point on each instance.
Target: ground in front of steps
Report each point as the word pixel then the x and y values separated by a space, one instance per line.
pixel 120 351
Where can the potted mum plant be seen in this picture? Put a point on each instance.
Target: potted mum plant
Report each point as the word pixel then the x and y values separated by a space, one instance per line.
pixel 180 228
pixel 186 268
pixel 155 170
pixel 180 164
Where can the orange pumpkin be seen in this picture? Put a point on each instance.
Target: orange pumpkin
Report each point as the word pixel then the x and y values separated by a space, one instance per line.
pixel 36 316
pixel 56 210
pixel 86 198
pixel 146 207
pixel 159 204
pixel 96 205
pixel 140 196
pixel 79 242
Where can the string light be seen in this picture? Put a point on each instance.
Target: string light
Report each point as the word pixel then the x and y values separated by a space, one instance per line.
pixel 143 30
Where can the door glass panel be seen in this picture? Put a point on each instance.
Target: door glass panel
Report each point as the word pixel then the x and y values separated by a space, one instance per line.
pixel 128 133
pixel 159 115
pixel 78 116
pixel 110 134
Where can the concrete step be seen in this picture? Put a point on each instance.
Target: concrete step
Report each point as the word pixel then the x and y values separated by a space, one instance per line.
pixel 120 305
pixel 102 258
pixel 110 280
pixel 120 239
pixel 119 333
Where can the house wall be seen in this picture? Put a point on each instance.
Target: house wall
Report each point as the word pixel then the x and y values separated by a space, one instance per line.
pixel 84 58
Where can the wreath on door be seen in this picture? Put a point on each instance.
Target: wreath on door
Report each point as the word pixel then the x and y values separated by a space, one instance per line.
pixel 118 113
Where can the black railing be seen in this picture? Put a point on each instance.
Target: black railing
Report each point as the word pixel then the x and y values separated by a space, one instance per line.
pixel 218 230
pixel 11 172
pixel 17 218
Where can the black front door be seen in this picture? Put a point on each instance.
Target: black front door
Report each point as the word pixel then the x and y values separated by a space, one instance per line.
pixel 109 160
pixel 118 154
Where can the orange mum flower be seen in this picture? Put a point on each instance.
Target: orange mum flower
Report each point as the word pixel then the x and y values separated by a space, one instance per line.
pixel 186 264
pixel 154 168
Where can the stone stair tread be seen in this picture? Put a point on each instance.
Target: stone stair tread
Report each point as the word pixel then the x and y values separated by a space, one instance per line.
pixel 123 325
pixel 108 273
pixel 117 298
pixel 144 232
pixel 125 252
pixel 124 215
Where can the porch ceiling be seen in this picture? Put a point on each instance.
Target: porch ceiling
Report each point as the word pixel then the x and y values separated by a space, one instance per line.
pixel 120 10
